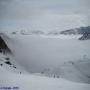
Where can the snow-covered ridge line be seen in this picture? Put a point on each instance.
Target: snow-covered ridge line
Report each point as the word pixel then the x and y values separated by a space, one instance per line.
pixel 81 33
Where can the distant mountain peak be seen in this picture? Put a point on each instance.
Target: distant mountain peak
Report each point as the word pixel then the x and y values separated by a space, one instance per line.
pixel 84 31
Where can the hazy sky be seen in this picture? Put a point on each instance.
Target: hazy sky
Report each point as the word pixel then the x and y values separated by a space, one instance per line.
pixel 43 14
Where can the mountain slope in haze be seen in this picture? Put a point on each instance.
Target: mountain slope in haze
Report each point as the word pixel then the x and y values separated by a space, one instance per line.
pixel 81 30
pixel 85 37
pixel 7 59
pixel 84 31
pixel 42 50
pixel 3 46
pixel 76 72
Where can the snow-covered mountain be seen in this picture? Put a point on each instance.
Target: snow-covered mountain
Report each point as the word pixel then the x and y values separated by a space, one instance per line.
pixel 81 33
pixel 81 30
pixel 84 31
pixel 49 61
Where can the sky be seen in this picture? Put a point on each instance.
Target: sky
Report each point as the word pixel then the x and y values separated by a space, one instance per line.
pixel 43 14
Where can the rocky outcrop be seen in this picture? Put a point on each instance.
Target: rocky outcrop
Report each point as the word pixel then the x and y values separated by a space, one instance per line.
pixel 85 37
pixel 3 46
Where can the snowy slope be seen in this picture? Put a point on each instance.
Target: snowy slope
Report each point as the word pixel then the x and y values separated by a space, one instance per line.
pixel 8 62
pixel 33 82
pixel 7 59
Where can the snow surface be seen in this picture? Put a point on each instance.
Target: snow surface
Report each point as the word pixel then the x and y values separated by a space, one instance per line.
pixel 33 82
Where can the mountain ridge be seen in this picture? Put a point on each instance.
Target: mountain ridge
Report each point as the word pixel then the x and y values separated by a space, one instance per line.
pixel 84 31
